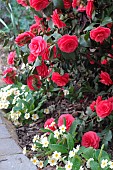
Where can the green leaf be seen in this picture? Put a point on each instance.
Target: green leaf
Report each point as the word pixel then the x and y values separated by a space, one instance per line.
pixel 94 165
pixel 58 4
pixel 106 21
pixel 74 126
pixel 104 155
pixel 69 56
pixel 58 148
pixel 90 27
pixel 52 139
pixel 60 168
pixel 48 10
pixel 76 162
pixel 37 62
pixel 46 130
pixel 70 141
pixel 88 152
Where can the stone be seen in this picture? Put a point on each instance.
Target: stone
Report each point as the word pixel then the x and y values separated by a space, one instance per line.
pixel 4 132
pixel 0 120
pixel 8 147
pixel 16 162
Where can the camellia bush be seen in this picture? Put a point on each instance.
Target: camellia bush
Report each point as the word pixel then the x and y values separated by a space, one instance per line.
pixel 68 52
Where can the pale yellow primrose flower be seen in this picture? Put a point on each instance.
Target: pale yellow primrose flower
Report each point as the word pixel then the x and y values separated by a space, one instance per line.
pixel 56 134
pixel 36 138
pixel 66 92
pixel 34 160
pixel 88 162
pixel 104 163
pixel 44 142
pixel 27 116
pixel 40 164
pixel 77 148
pixel 62 128
pixel 35 117
pixel 46 111
pixel 56 155
pixel 33 148
pixel 68 165
pixel 71 154
pixel 52 161
pixel 110 164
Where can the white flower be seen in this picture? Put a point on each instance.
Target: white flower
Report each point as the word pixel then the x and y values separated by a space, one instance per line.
pixel 52 161
pixel 56 155
pixel 34 160
pixel 66 92
pixel 27 116
pixel 33 148
pixel 62 128
pixel 71 154
pixel 81 168
pixel 110 164
pixel 16 92
pixel 18 113
pixel 49 94
pixel 36 138
pixel 24 150
pixel 46 111
pixel 35 117
pixel 6 104
pixel 88 162
pixel 52 124
pixel 56 134
pixel 1 105
pixel 104 163
pixel 3 98
pixel 44 142
pixel 68 165
pixel 77 148
pixel 40 164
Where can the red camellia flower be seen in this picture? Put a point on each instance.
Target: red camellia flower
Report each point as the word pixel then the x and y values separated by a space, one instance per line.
pixel 92 106
pixel 39 4
pixel 104 61
pixel 69 120
pixel 90 139
pixel 74 3
pixel 50 124
pixel 105 78
pixel 89 8
pixel 42 70
pixel 56 20
pixel 38 20
pixel 9 76
pixel 33 82
pixel 23 2
pixel 60 80
pixel 104 108
pixel 38 46
pixel 45 55
pixel 99 34
pixel 24 38
pixel 68 43
pixel 99 98
pixel 35 29
pixel 11 57
pixel 67 4
pixel 31 58
pixel 81 8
